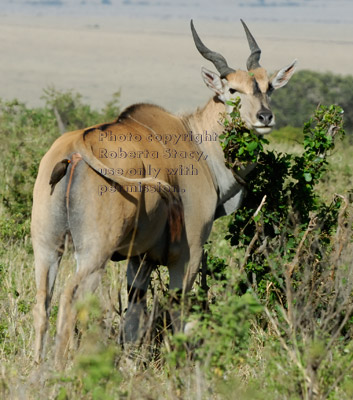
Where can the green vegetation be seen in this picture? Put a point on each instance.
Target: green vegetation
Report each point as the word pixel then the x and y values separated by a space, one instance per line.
pixel 291 259
pixel 271 315
pixel 294 104
pixel 26 135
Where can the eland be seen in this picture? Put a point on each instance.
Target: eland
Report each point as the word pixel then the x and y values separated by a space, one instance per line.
pixel 146 188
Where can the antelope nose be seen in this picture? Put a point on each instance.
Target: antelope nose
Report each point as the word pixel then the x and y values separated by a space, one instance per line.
pixel 265 116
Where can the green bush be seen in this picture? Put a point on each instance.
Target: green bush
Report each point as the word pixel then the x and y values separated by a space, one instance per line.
pixel 288 182
pixel 74 114
pixel 295 103
pixel 293 248
pixel 26 134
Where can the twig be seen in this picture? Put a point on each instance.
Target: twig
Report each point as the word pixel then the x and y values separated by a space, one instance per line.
pixel 290 267
pixel 255 237
pixel 61 125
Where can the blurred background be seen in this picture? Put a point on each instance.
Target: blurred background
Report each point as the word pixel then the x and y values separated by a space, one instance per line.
pixel 144 48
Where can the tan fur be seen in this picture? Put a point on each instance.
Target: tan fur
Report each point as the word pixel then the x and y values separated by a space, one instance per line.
pixel 243 80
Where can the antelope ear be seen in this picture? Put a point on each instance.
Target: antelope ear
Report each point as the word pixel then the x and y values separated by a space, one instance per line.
pixel 214 82
pixel 281 78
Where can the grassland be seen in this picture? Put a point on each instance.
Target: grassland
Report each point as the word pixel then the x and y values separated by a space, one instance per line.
pixel 243 346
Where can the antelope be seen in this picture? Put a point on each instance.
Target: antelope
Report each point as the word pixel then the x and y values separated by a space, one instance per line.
pixel 146 188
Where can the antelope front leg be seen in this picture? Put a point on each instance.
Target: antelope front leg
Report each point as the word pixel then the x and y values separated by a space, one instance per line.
pixel 138 276
pixel 182 276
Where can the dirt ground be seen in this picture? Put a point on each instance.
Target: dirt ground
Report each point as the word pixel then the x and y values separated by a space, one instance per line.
pixel 150 60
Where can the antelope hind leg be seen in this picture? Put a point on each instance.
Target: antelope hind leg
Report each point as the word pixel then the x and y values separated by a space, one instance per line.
pixel 85 281
pixel 46 266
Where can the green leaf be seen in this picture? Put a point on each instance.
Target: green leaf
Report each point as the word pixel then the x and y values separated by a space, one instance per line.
pixel 252 146
pixel 307 176
pixel 257 217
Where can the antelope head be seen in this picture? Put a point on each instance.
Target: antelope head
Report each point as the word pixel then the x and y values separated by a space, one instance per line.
pixel 253 86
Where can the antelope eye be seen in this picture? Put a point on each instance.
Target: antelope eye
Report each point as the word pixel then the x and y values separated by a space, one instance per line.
pixel 270 89
pixel 232 91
